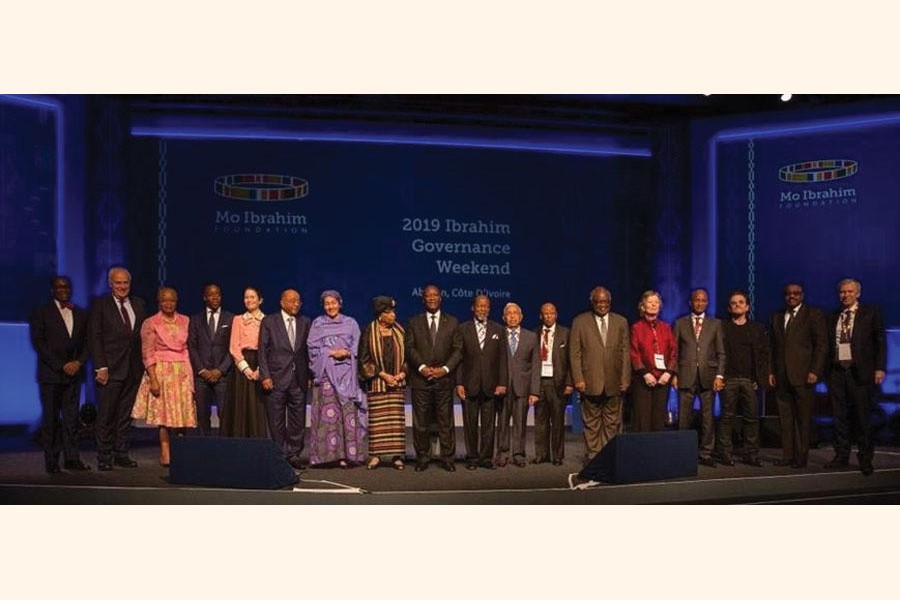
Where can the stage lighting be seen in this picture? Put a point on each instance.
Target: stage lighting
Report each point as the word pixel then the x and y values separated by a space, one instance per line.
pixel 786 97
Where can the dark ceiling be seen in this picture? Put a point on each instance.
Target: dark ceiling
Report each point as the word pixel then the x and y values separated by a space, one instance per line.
pixel 609 113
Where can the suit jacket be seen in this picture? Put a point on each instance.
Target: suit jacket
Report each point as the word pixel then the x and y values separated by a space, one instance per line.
pixel 524 366
pixel 210 352
pixel 800 350
pixel 867 343
pixel 277 359
pixel 605 369
pixel 482 370
pixel 54 346
pixel 113 345
pixel 560 356
pixel 707 353
pixel 447 349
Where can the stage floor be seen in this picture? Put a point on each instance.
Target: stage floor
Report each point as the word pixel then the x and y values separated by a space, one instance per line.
pixel 23 481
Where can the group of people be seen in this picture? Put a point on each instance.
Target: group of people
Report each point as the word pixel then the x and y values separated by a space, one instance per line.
pixel 260 370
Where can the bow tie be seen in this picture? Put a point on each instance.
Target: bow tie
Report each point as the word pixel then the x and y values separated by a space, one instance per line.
pixel 68 305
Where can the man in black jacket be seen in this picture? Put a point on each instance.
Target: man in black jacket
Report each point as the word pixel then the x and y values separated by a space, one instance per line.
pixel 58 333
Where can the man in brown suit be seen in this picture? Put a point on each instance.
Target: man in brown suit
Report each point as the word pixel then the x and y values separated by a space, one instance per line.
pixel 601 369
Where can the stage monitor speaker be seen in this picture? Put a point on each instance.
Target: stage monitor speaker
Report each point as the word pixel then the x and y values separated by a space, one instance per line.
pixel 247 463
pixel 632 457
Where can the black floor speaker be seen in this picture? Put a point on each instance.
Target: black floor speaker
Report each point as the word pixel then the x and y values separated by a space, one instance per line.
pixel 632 457
pixel 246 463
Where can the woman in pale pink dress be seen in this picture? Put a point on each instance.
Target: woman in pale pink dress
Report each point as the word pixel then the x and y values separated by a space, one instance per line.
pixel 166 395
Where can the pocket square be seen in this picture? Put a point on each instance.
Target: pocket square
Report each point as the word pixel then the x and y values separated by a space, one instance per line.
pixel 563 345
pixel 223 326
pixel 495 337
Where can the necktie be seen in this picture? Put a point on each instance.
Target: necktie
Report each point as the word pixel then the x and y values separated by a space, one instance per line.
pixel 845 327
pixel 790 318
pixel 432 329
pixel 698 325
pixel 603 329
pixel 513 340
pixel 481 330
pixel 125 316
pixel 545 345
pixel 292 336
pixel 212 323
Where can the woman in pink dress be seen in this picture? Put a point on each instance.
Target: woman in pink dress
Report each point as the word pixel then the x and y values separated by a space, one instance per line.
pixel 166 395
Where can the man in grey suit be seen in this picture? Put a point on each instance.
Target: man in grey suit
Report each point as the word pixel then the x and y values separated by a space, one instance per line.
pixel 700 346
pixel 284 374
pixel 799 350
pixel 556 387
pixel 601 369
pixel 522 389
pixel 209 334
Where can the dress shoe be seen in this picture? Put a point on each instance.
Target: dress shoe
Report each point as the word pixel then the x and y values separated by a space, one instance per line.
pixel 728 462
pixel 519 462
pixel 753 462
pixel 537 461
pixel 866 468
pixel 837 463
pixel 487 464
pixel 557 462
pixel 798 464
pixel 76 465
pixel 125 461
pixel 104 466
pixel 471 466
pixel 51 468
pixel 421 466
pixel 707 461
pixel 783 462
pixel 502 461
pixel 448 466
pixel 296 463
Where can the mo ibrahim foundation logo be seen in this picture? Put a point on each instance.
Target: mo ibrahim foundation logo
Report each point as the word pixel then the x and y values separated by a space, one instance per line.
pixel 265 189
pixel 814 173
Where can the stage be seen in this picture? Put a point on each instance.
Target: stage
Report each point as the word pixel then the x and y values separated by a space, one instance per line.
pixel 23 481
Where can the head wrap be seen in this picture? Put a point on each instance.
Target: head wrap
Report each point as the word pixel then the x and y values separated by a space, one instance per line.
pixel 382 304
pixel 333 293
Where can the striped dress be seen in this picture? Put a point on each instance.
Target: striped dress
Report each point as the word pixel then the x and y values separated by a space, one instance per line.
pixel 387 419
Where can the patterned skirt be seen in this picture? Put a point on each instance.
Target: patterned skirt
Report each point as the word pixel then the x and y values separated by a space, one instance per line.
pixel 387 424
pixel 336 428
pixel 174 407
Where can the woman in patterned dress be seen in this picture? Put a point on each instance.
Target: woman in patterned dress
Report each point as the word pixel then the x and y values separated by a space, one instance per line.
pixel 166 395
pixel 245 411
pixel 338 406
pixel 382 367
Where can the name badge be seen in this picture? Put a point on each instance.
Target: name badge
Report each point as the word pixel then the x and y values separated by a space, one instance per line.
pixel 659 361
pixel 844 351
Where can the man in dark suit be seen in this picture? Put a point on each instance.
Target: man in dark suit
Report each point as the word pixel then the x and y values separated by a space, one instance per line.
pixel 481 381
pixel 284 374
pixel 857 361
pixel 799 349
pixel 209 334
pixel 58 334
pixel 433 350
pixel 115 339
pixel 700 347
pixel 556 387
pixel 601 369
pixel 522 389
